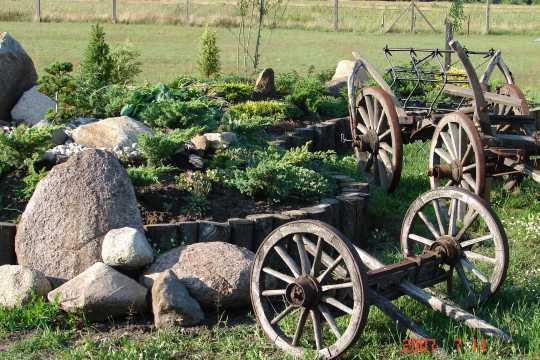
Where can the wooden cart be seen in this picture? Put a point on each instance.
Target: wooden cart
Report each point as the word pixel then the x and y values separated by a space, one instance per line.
pixel 475 133
pixel 311 289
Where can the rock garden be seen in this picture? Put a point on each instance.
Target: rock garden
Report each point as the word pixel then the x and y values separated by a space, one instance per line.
pixel 121 199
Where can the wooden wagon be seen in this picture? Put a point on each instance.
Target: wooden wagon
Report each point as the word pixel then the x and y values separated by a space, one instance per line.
pixel 311 289
pixel 475 133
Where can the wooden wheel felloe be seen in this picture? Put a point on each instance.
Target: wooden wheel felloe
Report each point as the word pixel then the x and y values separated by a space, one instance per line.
pixel 502 109
pixel 377 138
pixel 307 289
pixel 476 248
pixel 457 155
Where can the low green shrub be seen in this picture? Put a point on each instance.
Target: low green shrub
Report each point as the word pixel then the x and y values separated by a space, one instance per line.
pixel 235 92
pixel 161 148
pixel 24 145
pixel 147 175
pixel 199 185
pixel 30 181
pixel 265 109
pixel 246 125
pixel 285 82
pixel 332 106
pixel 307 94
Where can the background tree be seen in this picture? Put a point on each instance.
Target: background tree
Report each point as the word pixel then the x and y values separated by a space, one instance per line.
pixel 209 63
pixel 456 14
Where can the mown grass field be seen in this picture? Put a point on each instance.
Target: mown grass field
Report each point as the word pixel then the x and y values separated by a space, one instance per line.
pixel 357 16
pixel 41 331
pixel 169 50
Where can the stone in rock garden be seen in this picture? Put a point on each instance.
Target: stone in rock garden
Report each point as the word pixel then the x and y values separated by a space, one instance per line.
pixel 111 133
pixel 100 293
pixel 265 86
pixel 126 248
pixel 196 161
pixel 17 74
pixel 72 209
pixel 199 143
pixel 216 274
pixel 339 81
pixel 221 140
pixel 32 107
pixel 172 304
pixel 18 284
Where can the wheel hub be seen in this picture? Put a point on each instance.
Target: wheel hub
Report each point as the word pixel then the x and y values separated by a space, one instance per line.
pixel 447 247
pixel 303 292
pixel 454 171
pixel 369 142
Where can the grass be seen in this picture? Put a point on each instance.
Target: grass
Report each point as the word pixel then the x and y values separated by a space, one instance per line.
pixel 169 50
pixel 515 308
pixel 357 16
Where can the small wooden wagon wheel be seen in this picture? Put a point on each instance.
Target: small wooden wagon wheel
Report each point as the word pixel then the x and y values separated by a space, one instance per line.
pixel 475 249
pixel 457 155
pixel 377 138
pixel 305 274
pixel 501 109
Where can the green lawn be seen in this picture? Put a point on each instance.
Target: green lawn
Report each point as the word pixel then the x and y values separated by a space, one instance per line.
pixel 169 50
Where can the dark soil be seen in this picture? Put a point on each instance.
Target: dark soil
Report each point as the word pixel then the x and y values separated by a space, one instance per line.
pixel 164 203
pixel 11 207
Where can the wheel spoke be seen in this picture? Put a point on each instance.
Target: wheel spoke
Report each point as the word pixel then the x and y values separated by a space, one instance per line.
pixel 369 106
pixel 316 257
pixel 277 292
pixel 288 260
pixel 304 259
pixel 476 241
pixel 438 216
pixel 469 179
pixel 466 155
pixel 444 155
pixel 466 283
pixel 469 266
pixel 421 239
pixel 453 217
pixel 362 128
pixel 337 304
pixel 468 222
pixel 331 268
pixel 300 326
pixel 386 160
pixel 469 167
pixel 448 142
pixel 379 124
pixel 278 275
pixel 383 180
pixel 476 256
pixel 346 285
pixel 282 314
pixel 384 134
pixel 365 117
pixel 453 139
pixel 329 319
pixel 429 225
pixel 460 141
pixel 316 329
pixel 386 148
pixel 376 114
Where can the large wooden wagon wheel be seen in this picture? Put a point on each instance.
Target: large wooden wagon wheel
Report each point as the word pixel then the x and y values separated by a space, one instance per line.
pixel 476 248
pixel 457 155
pixel 377 138
pixel 307 289
pixel 502 109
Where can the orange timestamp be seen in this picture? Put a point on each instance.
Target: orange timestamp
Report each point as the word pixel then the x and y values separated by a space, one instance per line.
pixel 413 345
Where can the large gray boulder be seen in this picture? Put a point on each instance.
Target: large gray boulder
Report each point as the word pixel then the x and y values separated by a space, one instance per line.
pixel 18 284
pixel 338 82
pixel 72 209
pixel 215 273
pixel 265 86
pixel 32 107
pixel 127 249
pixel 17 73
pixel 111 133
pixel 171 303
pixel 101 293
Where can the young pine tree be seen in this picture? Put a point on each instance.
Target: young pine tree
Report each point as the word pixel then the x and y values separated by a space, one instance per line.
pixel 456 15
pixel 97 64
pixel 209 62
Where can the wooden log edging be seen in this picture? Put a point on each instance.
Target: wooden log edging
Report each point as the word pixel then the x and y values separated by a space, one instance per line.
pixel 347 211
pixel 7 244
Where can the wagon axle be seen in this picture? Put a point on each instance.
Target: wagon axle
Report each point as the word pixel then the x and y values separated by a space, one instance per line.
pixel 305 291
pixel 453 171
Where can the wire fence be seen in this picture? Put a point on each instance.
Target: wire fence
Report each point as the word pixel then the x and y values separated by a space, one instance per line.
pixel 356 16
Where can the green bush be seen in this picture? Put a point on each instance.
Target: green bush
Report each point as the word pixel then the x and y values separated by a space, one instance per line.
pixel 58 83
pixel 333 106
pixel 97 64
pixel 285 82
pixel 147 175
pixel 125 66
pixel 24 145
pixel 30 181
pixel 307 94
pixel 161 148
pixel 199 185
pixel 265 109
pixel 209 62
pixel 235 92
pixel 246 125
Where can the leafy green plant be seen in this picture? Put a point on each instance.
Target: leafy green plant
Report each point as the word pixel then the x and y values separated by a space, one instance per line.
pixel 199 185
pixel 125 66
pixel 307 94
pixel 235 92
pixel 332 106
pixel 59 83
pixel 265 109
pixel 147 175
pixel 30 181
pixel 209 62
pixel 25 145
pixel 161 148
pixel 285 82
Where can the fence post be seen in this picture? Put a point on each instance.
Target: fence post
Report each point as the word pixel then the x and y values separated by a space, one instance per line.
pixel 382 22
pixel 488 10
pixel 468 25
pixel 448 36
pixel 114 11
pixel 413 18
pixel 188 10
pixel 336 15
pixel 37 16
